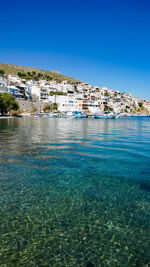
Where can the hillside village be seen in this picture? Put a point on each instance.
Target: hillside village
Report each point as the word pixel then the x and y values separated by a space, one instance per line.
pixel 69 95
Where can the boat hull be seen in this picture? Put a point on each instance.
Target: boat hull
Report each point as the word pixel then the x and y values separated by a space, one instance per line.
pixel 104 116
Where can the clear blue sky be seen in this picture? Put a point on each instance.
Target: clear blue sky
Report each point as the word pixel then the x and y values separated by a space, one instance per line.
pixel 106 43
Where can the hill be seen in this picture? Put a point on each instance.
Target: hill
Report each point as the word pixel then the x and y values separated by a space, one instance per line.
pixel 34 73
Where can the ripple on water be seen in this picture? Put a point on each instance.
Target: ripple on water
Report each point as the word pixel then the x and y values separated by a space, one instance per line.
pixel 74 193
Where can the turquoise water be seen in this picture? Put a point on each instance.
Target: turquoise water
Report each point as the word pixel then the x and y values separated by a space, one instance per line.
pixel 74 192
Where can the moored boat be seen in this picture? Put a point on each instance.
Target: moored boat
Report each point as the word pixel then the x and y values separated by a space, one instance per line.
pixel 79 115
pixel 106 116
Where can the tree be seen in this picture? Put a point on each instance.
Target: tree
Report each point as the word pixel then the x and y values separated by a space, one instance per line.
pixel 54 106
pixel 40 75
pixel 50 107
pixel 108 109
pixel 107 94
pixel 21 75
pixel 1 103
pixel 56 93
pixel 47 107
pixel 48 78
pixel 2 72
pixel 140 104
pixel 7 103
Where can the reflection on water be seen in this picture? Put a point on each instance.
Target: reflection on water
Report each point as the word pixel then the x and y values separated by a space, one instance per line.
pixel 75 192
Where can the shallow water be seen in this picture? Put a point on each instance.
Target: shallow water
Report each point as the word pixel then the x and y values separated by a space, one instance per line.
pixel 74 192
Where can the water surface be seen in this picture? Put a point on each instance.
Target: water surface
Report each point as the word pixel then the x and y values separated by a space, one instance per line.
pixel 74 192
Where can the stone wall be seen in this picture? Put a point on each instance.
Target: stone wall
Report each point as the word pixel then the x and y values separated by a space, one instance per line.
pixel 28 106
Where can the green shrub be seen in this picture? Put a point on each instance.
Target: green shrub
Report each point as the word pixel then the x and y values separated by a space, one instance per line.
pixel 50 107
pixel 7 103
pixel 2 72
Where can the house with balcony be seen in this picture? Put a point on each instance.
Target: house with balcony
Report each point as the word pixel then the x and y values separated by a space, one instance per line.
pixel 39 94
pixel 16 92
pixel 25 89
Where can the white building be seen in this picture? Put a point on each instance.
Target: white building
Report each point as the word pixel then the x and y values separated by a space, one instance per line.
pixel 65 103
pixel 3 85
pixel 147 105
pixel 40 92
pixel 14 78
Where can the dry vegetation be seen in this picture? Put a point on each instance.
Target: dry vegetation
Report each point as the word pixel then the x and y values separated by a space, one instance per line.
pixel 29 73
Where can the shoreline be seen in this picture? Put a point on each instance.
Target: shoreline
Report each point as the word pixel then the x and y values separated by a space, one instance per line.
pixel 27 115
pixel 9 117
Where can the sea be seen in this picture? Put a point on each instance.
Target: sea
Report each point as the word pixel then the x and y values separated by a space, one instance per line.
pixel 74 192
